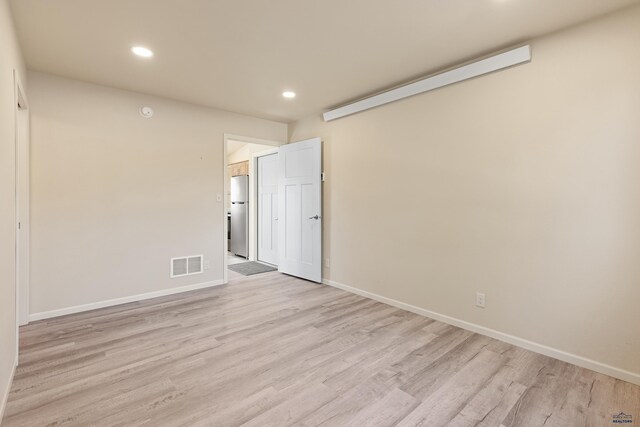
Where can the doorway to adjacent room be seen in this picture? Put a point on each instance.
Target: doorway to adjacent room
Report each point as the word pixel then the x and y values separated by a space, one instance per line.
pixel 241 200
pixel 273 207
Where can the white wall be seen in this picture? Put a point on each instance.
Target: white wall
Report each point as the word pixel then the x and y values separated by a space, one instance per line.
pixel 10 59
pixel 522 184
pixel 115 196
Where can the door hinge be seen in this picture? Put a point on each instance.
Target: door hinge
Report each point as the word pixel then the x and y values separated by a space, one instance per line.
pixel 322 177
pixel 19 225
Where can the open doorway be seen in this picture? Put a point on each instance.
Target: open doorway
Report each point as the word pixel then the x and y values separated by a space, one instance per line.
pixel 241 201
pixel 281 218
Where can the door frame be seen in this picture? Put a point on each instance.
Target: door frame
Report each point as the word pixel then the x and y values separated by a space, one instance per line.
pixel 22 196
pixel 253 197
pixel 225 198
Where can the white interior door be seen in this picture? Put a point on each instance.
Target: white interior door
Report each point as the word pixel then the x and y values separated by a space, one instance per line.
pixel 268 208
pixel 300 209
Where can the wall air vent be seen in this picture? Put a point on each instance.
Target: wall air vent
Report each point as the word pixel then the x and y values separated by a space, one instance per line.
pixel 186 266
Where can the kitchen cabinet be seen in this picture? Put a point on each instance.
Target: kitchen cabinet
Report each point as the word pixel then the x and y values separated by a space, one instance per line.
pixel 239 169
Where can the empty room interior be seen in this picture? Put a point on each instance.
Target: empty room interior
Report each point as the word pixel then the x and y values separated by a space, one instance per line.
pixel 304 213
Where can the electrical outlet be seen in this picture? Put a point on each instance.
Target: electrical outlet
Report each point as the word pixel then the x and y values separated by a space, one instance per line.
pixel 207 265
pixel 218 197
pixel 479 300
pixel 327 263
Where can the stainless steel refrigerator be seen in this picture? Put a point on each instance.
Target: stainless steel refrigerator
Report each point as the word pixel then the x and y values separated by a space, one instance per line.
pixel 239 216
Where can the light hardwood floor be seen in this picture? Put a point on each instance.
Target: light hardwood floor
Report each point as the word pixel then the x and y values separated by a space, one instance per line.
pixel 272 350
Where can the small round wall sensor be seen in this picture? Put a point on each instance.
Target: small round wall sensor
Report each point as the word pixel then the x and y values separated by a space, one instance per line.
pixel 146 112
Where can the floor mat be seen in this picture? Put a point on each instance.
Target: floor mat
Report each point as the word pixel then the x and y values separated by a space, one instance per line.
pixel 250 268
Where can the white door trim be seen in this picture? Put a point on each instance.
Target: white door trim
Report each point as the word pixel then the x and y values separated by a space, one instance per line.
pixel 225 198
pixel 22 223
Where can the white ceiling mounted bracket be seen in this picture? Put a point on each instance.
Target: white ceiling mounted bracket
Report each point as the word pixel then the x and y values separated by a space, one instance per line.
pixel 484 66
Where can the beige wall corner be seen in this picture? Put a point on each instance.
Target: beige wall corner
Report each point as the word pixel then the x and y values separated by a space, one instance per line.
pixel 116 195
pixel 522 184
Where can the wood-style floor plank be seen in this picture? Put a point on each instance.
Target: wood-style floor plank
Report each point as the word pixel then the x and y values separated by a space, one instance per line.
pixel 275 350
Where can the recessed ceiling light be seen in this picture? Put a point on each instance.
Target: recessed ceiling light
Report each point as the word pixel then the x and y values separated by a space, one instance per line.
pixel 142 51
pixel 289 94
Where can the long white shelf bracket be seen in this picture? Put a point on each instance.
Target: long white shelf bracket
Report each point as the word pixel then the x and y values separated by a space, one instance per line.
pixel 484 66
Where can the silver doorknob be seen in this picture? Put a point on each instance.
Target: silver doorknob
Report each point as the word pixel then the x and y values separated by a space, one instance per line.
pixel 314 217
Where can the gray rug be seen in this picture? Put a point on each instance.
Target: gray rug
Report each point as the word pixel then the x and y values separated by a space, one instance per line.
pixel 250 268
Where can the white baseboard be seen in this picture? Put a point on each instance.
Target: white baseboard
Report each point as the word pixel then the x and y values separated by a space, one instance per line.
pixel 123 300
pixel 5 396
pixel 583 362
